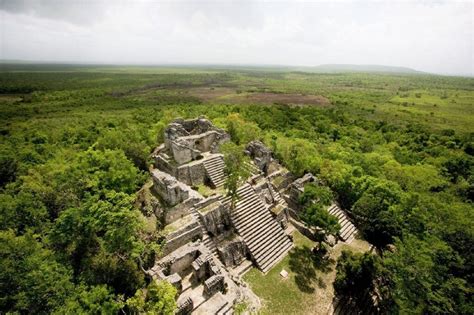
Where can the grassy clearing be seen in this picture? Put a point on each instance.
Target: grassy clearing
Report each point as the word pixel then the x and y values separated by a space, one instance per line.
pixel 441 110
pixel 308 288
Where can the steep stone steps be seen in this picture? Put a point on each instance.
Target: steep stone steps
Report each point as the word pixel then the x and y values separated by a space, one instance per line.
pixel 214 167
pixel 252 168
pixel 276 195
pixel 266 240
pixel 276 257
pixel 348 230
pixel 206 239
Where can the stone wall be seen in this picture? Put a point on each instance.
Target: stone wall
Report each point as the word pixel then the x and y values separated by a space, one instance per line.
pixel 303 229
pixel 214 284
pixel 280 213
pixel 180 259
pixel 216 218
pixel 296 188
pixel 192 173
pixel 169 188
pixel 185 307
pixel 261 155
pixel 186 140
pixel 233 252
pixel 182 236
pixel 281 179
pixel 177 212
pixel 177 195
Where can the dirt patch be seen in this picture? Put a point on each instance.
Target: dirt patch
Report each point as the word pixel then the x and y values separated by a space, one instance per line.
pixel 208 94
pixel 280 98
pixel 234 96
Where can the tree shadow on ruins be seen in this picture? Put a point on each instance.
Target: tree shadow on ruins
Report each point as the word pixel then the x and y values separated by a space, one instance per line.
pixel 305 263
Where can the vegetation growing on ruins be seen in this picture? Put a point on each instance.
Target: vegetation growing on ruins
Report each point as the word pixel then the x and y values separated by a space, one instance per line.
pixel 235 170
pixel 395 150
pixel 315 201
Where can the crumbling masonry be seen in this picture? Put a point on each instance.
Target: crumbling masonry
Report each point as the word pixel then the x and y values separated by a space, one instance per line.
pixel 208 245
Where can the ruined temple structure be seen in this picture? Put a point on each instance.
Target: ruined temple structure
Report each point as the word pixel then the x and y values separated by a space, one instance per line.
pixel 190 152
pixel 208 245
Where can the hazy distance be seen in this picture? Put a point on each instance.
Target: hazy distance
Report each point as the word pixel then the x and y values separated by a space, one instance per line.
pixel 430 36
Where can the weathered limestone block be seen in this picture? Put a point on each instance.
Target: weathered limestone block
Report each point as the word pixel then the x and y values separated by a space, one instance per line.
pixel 168 187
pixel 181 128
pixel 183 152
pixel 186 140
pixel 192 174
pixel 216 218
pixel 175 194
pixel 185 307
pixel 214 268
pixel 280 214
pixel 147 202
pixel 233 252
pixel 214 284
pixel 201 268
pixel 164 162
pixel 331 240
pixel 181 232
pixel 261 155
pixel 180 259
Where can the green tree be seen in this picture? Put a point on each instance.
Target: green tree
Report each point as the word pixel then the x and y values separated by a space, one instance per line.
pixel 315 200
pixel 360 276
pixel 374 213
pixel 157 298
pixel 23 212
pixel 31 280
pixel 241 131
pixel 93 300
pixel 318 217
pixel 235 169
pixel 424 275
pixel 100 239
pixel 314 193
pixel 8 166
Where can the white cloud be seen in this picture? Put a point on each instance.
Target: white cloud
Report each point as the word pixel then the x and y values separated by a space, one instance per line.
pixel 429 36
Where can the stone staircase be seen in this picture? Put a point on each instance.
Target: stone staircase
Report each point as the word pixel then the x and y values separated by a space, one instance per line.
pixel 348 230
pixel 252 168
pixel 214 167
pixel 206 239
pixel 266 240
pixel 276 195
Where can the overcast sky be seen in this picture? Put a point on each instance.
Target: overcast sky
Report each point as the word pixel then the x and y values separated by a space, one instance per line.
pixel 433 36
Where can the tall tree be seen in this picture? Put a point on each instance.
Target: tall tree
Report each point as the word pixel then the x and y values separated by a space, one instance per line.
pixel 158 298
pixel 235 169
pixel 361 276
pixel 315 200
pixel 31 280
pixel 375 215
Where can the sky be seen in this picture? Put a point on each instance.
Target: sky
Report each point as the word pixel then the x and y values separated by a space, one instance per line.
pixel 431 36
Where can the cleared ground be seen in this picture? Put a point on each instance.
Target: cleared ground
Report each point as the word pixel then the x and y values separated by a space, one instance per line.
pixel 236 96
pixel 308 288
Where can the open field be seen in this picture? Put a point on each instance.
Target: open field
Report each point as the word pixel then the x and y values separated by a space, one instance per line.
pixel 438 102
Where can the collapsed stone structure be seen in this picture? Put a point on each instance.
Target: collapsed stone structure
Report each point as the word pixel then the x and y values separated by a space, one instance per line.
pixel 208 244
pixel 190 152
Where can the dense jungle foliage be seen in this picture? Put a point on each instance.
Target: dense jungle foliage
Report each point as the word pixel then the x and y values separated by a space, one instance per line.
pixel 396 151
